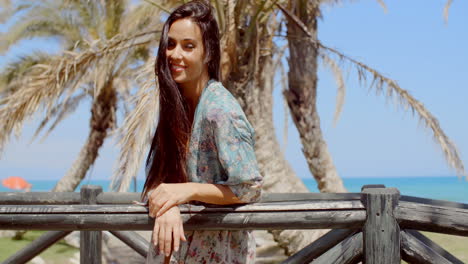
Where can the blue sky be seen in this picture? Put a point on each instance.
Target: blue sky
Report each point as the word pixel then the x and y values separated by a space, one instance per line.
pixel 410 43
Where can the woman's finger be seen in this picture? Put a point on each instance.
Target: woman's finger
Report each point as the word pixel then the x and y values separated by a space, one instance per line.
pixel 150 208
pixel 162 231
pixel 155 233
pixel 176 237
pixel 168 240
pixel 182 233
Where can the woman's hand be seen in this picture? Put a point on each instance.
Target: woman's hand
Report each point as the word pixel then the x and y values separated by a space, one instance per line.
pixel 168 229
pixel 167 195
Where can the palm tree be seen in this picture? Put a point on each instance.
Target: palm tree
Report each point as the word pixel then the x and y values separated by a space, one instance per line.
pixel 100 59
pixel 305 50
pixel 301 96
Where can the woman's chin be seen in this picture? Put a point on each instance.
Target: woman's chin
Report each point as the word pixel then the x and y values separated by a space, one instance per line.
pixel 179 79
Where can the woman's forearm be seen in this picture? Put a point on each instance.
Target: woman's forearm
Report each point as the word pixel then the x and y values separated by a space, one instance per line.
pixel 213 193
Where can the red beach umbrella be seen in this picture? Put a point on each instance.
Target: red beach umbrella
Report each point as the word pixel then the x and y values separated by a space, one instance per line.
pixel 16 183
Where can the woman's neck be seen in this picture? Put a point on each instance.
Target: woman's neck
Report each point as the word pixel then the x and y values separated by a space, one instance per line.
pixel 192 91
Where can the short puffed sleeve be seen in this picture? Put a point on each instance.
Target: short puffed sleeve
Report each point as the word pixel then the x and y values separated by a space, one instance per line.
pixel 234 139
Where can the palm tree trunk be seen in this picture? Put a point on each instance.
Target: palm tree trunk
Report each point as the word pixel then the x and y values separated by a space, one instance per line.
pixel 102 118
pixel 302 97
pixel 251 82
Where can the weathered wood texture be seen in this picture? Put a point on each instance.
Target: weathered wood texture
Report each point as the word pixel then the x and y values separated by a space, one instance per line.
pixel 416 251
pixel 90 241
pixel 381 231
pixel 127 198
pixel 369 186
pixel 36 247
pixel 39 198
pixel 427 201
pixel 125 208
pixel 319 246
pixel 199 221
pixel 434 246
pixel 434 218
pixel 133 240
pixel 348 251
pixel 379 242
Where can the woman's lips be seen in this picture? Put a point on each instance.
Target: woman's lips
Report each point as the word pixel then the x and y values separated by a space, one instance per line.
pixel 177 68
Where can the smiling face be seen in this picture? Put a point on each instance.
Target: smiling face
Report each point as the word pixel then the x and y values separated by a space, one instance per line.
pixel 185 52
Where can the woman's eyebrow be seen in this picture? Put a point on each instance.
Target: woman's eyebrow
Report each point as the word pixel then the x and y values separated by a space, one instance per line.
pixel 185 39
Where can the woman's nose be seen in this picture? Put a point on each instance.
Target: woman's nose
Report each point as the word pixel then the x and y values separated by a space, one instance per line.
pixel 175 53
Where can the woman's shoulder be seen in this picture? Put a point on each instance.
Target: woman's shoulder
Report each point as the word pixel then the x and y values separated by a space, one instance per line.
pixel 221 107
pixel 220 100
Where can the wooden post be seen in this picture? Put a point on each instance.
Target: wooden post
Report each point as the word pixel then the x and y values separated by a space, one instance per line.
pixel 381 230
pixel 90 241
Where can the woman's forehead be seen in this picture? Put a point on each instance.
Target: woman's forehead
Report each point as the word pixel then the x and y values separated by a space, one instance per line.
pixel 185 29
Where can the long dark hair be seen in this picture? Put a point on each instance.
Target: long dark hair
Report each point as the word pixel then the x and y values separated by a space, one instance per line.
pixel 166 161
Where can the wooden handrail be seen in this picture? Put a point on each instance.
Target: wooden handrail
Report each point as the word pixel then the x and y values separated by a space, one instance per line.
pixel 366 226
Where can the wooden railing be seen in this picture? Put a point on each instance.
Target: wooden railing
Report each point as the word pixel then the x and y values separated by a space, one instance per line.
pixel 374 226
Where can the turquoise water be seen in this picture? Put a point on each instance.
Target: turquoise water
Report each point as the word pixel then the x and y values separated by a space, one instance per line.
pixel 441 188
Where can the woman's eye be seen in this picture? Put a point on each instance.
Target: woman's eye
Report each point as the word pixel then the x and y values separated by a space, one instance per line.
pixel 189 46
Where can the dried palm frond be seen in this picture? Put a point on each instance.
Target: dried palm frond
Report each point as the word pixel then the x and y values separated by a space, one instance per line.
pixel 402 97
pixel 163 8
pixel 5 3
pixel 338 74
pixel 221 16
pixel 59 112
pixel 446 10
pixel 13 72
pixel 135 135
pixel 141 17
pixel 380 2
pixel 45 84
pixel 40 20
pixel 5 10
pixel 383 5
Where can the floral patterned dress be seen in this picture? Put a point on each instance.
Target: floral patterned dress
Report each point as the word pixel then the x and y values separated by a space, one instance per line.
pixel 221 151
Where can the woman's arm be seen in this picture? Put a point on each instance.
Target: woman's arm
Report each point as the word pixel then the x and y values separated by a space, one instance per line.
pixel 163 201
pixel 214 194
pixel 167 195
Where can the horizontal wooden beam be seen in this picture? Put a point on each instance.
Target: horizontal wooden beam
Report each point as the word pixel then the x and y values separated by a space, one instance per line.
pixel 416 235
pixel 7 198
pixel 123 208
pixel 133 240
pixel 212 221
pixel 13 198
pixel 348 251
pixel 412 199
pixel 319 246
pixel 415 251
pixel 433 218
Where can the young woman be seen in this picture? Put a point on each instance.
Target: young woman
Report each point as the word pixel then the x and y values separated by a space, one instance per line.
pixel 203 147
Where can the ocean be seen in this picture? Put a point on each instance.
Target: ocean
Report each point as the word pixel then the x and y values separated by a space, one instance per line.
pixel 440 188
